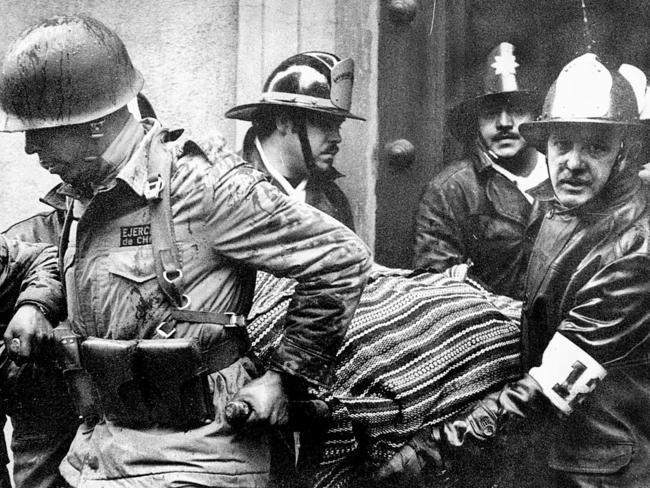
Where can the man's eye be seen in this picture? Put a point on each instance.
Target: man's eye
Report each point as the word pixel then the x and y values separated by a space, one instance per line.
pixel 520 112
pixel 597 148
pixel 490 111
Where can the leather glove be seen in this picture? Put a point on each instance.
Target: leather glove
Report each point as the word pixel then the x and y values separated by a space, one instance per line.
pixel 481 423
pixel 407 464
pixel 267 399
pixel 566 375
pixel 28 334
pixel 487 416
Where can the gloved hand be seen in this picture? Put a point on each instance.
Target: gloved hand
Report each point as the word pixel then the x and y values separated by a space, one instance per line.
pixel 28 334
pixel 422 449
pixel 481 423
pixel 267 399
pixel 487 416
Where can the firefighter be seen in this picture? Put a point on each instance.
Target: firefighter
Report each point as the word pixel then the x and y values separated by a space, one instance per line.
pixel 585 332
pixel 296 129
pixel 484 207
pixel 158 253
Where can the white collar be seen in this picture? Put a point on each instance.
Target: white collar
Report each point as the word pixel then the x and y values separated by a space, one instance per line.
pixel 525 183
pixel 298 192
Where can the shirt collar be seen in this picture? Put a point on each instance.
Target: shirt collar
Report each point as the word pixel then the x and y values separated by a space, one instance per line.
pixel 297 192
pixel 135 172
pixel 526 183
pixel 119 157
pixel 54 198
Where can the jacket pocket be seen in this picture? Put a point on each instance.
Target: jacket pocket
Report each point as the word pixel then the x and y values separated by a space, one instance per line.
pixel 593 459
pixel 134 303
pixel 132 266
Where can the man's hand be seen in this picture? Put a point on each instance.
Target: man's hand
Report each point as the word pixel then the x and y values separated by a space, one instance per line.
pixel 28 333
pixel 407 464
pixel 266 398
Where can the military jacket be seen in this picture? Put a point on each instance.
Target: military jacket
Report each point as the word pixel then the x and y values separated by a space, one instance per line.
pixel 228 221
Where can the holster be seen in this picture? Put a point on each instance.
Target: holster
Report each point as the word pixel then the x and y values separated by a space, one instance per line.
pixel 111 365
pixel 80 385
pixel 175 380
pixel 150 381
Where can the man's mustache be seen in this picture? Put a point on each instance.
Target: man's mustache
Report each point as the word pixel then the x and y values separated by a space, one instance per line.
pixel 506 135
pixel 332 150
pixel 575 180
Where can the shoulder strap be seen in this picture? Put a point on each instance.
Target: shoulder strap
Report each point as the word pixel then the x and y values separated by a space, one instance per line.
pixel 64 239
pixel 167 259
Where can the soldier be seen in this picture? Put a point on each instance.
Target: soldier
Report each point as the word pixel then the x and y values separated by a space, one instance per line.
pixel 159 252
pixel 482 208
pixel 585 323
pixel 296 129
pixel 42 415
pixel 47 226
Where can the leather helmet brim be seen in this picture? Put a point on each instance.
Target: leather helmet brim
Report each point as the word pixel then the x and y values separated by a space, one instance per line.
pixel 246 111
pixel 537 133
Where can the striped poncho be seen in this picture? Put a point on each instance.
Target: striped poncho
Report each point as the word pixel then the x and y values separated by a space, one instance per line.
pixel 421 348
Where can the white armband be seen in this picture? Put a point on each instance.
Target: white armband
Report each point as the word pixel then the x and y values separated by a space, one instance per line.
pixel 567 373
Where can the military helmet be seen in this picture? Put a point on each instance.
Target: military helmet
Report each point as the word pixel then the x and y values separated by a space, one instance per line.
pixel 315 80
pixel 498 81
pixel 588 93
pixel 63 71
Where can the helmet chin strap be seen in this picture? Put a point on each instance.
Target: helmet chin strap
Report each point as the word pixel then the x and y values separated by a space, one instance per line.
pixel 96 129
pixel 305 146
pixel 496 159
pixel 96 133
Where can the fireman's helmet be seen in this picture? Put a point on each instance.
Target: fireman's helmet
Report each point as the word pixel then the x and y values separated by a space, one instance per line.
pixel 314 80
pixel 588 93
pixel 498 81
pixel 63 71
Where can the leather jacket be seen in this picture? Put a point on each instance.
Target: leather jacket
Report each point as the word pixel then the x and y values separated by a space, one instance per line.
pixel 321 191
pixel 588 280
pixel 469 211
